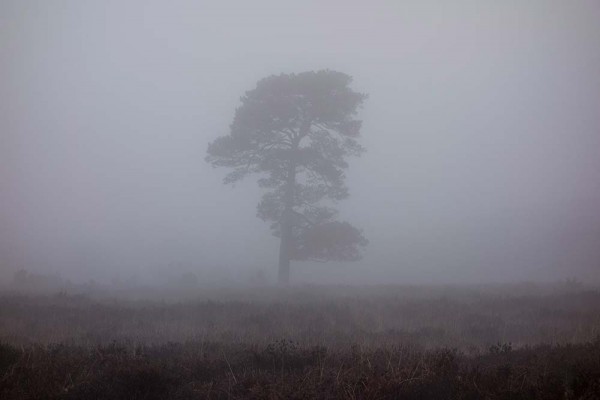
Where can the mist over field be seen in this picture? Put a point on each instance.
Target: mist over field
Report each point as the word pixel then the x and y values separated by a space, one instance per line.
pixel 481 132
pixel 299 200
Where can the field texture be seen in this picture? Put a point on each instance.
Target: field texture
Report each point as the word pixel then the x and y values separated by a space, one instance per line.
pixel 518 342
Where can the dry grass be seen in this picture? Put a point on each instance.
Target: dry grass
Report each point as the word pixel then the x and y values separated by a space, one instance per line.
pixel 284 370
pixel 368 343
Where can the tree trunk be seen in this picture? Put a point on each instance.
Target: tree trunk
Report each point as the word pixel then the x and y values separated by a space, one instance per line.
pixel 284 255
pixel 285 246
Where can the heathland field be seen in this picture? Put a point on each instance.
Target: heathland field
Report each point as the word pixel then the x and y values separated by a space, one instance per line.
pixel 497 342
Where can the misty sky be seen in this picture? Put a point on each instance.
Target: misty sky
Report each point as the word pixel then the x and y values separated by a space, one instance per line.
pixel 482 131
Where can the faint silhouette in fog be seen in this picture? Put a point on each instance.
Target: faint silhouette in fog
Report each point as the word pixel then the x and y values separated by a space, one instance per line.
pixel 296 131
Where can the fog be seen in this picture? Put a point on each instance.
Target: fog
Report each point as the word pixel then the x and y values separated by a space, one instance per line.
pixel 481 129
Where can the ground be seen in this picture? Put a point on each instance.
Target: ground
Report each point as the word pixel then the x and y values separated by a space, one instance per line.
pixel 498 342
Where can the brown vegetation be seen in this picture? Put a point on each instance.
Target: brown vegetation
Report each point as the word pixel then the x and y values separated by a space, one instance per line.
pixel 376 343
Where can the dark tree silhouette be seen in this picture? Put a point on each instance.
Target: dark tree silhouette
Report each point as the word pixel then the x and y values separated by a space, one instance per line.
pixel 296 131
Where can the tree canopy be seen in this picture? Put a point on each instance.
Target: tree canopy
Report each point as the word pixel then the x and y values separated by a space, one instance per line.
pixel 296 131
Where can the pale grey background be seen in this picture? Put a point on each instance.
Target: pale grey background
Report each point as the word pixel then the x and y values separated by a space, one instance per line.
pixel 482 130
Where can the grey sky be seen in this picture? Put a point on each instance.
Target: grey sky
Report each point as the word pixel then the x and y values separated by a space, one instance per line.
pixel 482 133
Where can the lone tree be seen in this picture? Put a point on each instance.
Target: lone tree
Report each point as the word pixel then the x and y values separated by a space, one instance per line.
pixel 296 131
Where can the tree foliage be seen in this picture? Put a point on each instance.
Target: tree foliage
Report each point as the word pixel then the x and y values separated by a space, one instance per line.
pixel 296 131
